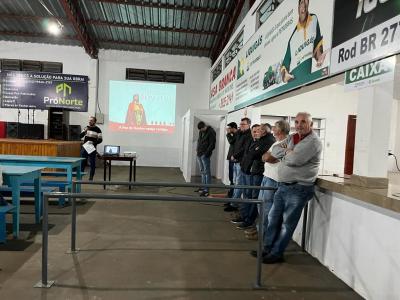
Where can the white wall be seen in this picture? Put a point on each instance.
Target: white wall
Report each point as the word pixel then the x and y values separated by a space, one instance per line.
pixel 357 242
pixel 155 149
pixel 330 102
pixel 75 61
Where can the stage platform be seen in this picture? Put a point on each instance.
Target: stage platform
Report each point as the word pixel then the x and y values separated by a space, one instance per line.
pixel 40 147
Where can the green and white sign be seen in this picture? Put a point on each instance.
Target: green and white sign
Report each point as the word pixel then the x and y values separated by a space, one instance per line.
pixel 370 74
pixel 291 49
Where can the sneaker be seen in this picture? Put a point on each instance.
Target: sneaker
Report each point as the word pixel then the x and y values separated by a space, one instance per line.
pixel 237 221
pixel 251 230
pixel 199 190
pixel 230 208
pixel 252 237
pixel 272 259
pixel 244 226
pixel 204 194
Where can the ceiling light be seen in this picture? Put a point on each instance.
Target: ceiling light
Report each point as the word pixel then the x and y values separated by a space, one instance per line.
pixel 54 28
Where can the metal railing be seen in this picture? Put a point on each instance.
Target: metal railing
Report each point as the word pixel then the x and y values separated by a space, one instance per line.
pixel 45 283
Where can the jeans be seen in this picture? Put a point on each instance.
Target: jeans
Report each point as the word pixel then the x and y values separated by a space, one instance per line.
pixel 205 171
pixel 248 211
pixel 288 203
pixel 231 182
pixel 92 161
pixel 268 198
pixel 237 180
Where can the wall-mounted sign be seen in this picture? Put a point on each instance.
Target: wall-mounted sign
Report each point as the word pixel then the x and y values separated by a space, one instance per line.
pixel 32 90
pixel 370 74
pixel 289 50
pixel 364 31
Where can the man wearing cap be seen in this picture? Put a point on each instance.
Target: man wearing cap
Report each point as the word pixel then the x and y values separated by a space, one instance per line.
pixel 231 129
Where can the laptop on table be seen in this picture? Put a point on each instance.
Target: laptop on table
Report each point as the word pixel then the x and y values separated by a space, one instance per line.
pixel 111 150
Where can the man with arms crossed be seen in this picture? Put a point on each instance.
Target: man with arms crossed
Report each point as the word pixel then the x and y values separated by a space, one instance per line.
pixel 299 157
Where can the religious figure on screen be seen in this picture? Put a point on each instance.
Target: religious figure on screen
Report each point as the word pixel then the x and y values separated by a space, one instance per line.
pixel 135 115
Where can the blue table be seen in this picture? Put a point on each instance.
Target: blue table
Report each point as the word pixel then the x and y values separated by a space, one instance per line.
pixel 14 176
pixel 69 164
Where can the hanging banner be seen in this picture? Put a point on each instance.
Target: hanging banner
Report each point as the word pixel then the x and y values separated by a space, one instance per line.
pixel 31 90
pixel 370 74
pixel 364 31
pixel 289 50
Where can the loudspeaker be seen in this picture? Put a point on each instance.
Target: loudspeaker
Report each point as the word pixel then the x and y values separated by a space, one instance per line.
pixel 12 130
pixel 73 132
pixel 31 131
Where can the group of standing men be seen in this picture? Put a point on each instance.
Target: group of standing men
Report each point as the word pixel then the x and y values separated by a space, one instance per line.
pixel 267 156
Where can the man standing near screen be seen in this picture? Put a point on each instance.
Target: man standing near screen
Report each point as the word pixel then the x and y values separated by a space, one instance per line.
pixel 92 136
pixel 304 44
pixel 135 116
pixel 205 146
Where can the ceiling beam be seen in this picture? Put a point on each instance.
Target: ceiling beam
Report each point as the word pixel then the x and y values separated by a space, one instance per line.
pixel 153 45
pixel 74 14
pixel 151 27
pixel 140 3
pixel 219 46
pixel 30 17
pixel 38 35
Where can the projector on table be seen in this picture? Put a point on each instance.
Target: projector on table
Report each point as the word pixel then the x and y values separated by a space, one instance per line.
pixel 129 153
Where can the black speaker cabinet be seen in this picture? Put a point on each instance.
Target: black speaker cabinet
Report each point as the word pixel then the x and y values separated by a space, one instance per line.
pixel 31 131
pixel 74 132
pixel 12 130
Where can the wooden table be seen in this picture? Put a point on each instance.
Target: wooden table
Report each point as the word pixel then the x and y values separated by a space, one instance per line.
pixel 14 176
pixel 109 158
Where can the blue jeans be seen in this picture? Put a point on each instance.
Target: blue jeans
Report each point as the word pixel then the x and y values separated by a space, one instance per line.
pixel 248 211
pixel 205 170
pixel 237 180
pixel 92 161
pixel 289 201
pixel 268 197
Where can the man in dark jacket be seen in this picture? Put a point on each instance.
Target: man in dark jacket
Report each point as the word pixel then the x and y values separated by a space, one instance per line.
pixel 243 137
pixel 231 137
pixel 253 168
pixel 205 146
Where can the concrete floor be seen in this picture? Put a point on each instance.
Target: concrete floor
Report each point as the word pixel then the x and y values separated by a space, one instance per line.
pixel 153 250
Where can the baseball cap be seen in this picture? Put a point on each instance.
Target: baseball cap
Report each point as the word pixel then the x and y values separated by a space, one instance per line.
pixel 232 125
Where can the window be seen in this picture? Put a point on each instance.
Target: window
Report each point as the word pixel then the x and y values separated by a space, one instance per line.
pixel 265 10
pixel 155 75
pixel 234 49
pixel 30 65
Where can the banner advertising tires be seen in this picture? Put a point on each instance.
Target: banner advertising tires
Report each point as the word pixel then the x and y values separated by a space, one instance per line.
pixel 364 31
pixel 289 50
pixel 33 90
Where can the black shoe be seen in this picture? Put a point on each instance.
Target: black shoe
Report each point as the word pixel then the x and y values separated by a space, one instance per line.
pixel 227 204
pixel 272 259
pixel 230 208
pixel 199 190
pixel 254 253
pixel 204 194
pixel 237 221
pixel 244 226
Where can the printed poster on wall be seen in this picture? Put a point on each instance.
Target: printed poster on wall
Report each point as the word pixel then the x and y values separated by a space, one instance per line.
pixel 290 49
pixel 364 31
pixel 34 90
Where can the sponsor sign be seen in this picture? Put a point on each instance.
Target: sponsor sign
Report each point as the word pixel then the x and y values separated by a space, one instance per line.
pixel 364 31
pixel 289 50
pixel 32 90
pixel 370 74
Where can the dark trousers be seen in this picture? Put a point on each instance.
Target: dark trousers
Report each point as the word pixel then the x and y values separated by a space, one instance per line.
pixel 230 192
pixel 92 161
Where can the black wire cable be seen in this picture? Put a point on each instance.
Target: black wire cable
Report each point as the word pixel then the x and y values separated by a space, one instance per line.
pixel 395 158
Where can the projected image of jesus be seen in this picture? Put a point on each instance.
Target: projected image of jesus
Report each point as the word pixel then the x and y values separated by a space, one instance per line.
pixel 135 115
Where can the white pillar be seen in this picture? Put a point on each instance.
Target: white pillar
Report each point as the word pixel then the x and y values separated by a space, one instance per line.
pixel 373 130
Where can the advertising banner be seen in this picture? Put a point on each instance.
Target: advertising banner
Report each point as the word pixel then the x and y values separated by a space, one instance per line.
pixel 32 90
pixel 370 74
pixel 364 31
pixel 289 50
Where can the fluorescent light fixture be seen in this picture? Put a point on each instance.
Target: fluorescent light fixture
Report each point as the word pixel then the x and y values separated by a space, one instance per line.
pixel 54 28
